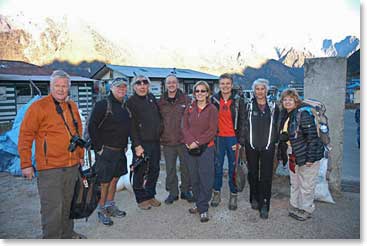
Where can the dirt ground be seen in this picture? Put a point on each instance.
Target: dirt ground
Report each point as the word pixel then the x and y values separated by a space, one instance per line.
pixel 20 217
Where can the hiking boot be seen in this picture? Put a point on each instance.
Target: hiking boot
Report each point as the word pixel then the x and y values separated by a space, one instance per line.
pixel 187 196
pixel 306 215
pixel 216 199
pixel 170 199
pixel 232 205
pixel 76 235
pixel 154 202
pixel 254 204
pixel 292 210
pixel 296 216
pixel 104 217
pixel 145 205
pixel 193 210
pixel 114 211
pixel 264 213
pixel 204 217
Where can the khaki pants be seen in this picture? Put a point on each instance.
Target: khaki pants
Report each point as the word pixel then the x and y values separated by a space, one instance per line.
pixel 56 189
pixel 303 184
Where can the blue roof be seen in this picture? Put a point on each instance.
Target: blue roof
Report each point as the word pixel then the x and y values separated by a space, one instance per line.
pixel 158 72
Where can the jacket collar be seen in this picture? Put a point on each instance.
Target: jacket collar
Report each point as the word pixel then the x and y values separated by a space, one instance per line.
pixel 178 94
pixel 114 100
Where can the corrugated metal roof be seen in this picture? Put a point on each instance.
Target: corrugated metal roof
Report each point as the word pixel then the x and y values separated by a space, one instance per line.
pixel 16 77
pixel 157 72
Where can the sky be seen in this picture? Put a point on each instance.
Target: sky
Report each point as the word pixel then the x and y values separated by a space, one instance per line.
pixel 207 25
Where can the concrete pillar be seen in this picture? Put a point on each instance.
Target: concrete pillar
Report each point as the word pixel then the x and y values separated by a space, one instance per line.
pixel 325 80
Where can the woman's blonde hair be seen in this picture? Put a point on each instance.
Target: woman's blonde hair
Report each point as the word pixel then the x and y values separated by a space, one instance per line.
pixel 293 94
pixel 205 84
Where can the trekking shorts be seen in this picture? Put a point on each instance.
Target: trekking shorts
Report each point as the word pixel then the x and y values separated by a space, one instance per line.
pixel 110 164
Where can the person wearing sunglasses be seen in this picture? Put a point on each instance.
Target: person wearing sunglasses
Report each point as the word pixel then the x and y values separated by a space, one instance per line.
pixel 261 135
pixel 199 129
pixel 172 106
pixel 146 128
pixel 231 134
pixel 109 130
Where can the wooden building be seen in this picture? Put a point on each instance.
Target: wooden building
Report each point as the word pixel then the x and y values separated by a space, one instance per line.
pixel 187 77
pixel 21 81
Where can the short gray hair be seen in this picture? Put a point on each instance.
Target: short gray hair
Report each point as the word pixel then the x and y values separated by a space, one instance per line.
pixel 59 74
pixel 171 75
pixel 261 81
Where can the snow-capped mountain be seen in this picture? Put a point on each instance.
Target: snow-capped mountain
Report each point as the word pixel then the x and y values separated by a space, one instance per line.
pixel 68 40
pixel 343 48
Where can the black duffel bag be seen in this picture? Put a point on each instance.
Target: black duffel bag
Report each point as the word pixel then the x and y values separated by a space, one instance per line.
pixel 86 194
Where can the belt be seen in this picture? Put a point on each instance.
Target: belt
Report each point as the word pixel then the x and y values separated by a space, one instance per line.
pixel 113 148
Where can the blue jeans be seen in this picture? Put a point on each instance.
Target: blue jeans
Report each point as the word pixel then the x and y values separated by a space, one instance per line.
pixel 224 147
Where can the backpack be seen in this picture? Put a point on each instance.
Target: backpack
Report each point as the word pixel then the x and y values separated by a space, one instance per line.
pixel 107 114
pixel 317 109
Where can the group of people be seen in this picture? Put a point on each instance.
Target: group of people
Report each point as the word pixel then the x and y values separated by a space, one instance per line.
pixel 199 132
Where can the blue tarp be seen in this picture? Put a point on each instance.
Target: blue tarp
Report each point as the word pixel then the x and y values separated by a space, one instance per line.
pixel 9 156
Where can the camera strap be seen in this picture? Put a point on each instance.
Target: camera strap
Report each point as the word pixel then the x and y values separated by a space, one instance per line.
pixel 60 112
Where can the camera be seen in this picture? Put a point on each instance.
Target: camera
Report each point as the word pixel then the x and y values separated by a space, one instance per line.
pixel 284 137
pixel 138 162
pixel 76 141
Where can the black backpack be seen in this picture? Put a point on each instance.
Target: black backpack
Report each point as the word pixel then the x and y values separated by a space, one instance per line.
pixel 87 194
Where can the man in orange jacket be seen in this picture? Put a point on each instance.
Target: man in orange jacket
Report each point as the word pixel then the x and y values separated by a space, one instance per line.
pixel 52 122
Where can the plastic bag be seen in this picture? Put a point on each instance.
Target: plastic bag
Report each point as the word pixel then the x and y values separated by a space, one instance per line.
pixel 322 192
pixel 240 175
pixel 282 170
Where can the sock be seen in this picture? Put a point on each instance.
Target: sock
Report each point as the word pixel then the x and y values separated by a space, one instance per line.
pixel 109 203
pixel 99 208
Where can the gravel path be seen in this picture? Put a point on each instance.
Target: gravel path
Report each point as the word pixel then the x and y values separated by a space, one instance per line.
pixel 20 217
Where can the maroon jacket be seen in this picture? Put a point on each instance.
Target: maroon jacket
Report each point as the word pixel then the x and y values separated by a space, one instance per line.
pixel 201 127
pixel 172 113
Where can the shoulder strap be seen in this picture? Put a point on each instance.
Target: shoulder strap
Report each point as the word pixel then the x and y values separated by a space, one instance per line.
pixel 108 112
pixel 298 118
pixel 249 107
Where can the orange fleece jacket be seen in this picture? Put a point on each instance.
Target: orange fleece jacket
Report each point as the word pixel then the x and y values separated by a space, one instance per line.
pixel 44 125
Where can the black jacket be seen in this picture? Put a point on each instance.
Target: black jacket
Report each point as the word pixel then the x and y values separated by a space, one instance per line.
pixel 260 124
pixel 305 143
pixel 115 130
pixel 146 123
pixel 238 116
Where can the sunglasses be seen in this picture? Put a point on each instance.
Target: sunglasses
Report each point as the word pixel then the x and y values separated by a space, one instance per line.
pixel 142 82
pixel 202 91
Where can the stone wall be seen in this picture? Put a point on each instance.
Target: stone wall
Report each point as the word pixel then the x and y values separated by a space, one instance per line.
pixel 325 80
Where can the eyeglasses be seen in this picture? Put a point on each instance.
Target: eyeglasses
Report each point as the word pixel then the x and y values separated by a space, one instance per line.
pixel 142 82
pixel 202 91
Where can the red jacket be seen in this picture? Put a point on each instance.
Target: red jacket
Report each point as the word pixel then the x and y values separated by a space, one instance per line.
pixel 44 125
pixel 201 127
